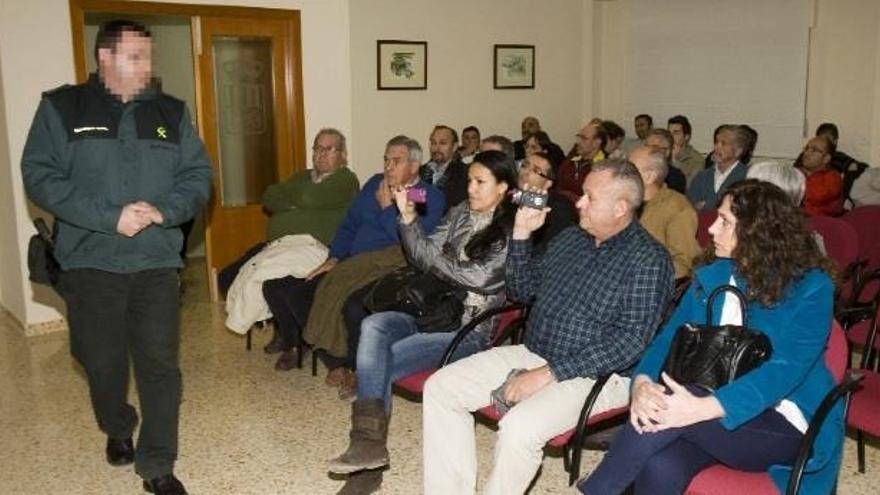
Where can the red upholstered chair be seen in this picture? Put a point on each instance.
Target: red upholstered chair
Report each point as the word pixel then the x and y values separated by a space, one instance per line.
pixel 861 316
pixel 512 320
pixel 704 221
pixel 722 480
pixel 864 410
pixel 865 220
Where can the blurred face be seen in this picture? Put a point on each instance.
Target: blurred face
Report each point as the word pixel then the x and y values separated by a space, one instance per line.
pixel 587 141
pixel 600 208
pixel 326 157
pixel 470 141
pixel 398 169
pixel 816 156
pixel 725 151
pixel 530 125
pixel 613 145
pixel 678 136
pixel 442 145
pixel 534 173
pixel 657 143
pixel 642 127
pixel 640 157
pixel 484 191
pixel 532 146
pixel 723 230
pixel 127 68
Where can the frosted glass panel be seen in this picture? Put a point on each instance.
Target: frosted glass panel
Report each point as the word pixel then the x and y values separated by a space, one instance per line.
pixel 246 128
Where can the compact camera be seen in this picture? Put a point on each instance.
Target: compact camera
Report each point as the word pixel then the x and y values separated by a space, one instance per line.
pixel 529 199
pixel 417 195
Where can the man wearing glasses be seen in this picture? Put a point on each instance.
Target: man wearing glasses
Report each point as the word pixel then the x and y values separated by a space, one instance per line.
pixel 536 174
pixel 824 191
pixel 311 202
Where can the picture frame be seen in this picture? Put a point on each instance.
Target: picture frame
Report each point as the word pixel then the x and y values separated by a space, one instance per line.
pixel 401 65
pixel 514 67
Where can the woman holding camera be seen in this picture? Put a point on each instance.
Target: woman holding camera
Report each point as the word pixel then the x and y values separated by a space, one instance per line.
pixel 468 250
pixel 756 422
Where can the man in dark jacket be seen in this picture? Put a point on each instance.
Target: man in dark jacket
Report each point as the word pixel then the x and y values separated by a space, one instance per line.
pixel 445 171
pixel 118 164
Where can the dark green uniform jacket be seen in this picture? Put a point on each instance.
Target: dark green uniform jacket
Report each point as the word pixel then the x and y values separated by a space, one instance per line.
pixel 88 154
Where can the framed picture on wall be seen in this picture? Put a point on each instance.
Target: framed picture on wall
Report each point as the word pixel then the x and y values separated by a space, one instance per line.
pixel 514 67
pixel 401 64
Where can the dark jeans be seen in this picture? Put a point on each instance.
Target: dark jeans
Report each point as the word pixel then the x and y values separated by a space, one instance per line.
pixel 228 273
pixel 666 461
pixel 116 316
pixel 353 312
pixel 290 300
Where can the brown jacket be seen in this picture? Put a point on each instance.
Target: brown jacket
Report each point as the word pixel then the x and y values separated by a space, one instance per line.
pixel 670 218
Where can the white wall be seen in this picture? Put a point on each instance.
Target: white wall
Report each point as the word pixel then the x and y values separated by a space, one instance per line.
pixel 460 36
pixel 36 54
pixel 843 82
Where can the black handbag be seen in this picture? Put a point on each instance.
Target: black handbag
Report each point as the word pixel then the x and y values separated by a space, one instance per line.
pixel 42 265
pixel 436 304
pixel 711 356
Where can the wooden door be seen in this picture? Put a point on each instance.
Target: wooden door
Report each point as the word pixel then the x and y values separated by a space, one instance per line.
pixel 251 120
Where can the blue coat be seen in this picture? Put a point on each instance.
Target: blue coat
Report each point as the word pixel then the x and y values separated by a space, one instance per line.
pixel 703 186
pixel 798 328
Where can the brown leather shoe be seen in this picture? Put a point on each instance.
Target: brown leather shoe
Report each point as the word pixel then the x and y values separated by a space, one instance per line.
pixel 288 360
pixel 336 376
pixel 276 345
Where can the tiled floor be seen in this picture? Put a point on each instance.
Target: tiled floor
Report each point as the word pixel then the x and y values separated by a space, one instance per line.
pixel 245 428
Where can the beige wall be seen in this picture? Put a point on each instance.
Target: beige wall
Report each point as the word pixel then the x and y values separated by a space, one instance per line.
pixel 460 35
pixel 843 84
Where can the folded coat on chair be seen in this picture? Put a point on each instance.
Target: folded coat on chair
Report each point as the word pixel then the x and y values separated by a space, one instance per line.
pixel 291 255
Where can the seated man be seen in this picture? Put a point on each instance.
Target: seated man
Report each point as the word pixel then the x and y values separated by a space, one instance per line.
pixel 536 174
pixel 309 202
pixel 498 143
pixel 598 293
pixel 667 215
pixel 824 191
pixel 368 232
pixel 445 171
pixel 529 126
pixel 590 142
pixel 684 156
pixel 470 144
pixel 661 140
pixel 642 123
pixel 708 186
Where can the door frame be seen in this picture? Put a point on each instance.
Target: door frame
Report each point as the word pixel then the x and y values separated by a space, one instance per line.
pixel 292 66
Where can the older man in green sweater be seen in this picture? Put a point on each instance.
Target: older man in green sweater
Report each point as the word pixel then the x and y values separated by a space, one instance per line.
pixel 311 201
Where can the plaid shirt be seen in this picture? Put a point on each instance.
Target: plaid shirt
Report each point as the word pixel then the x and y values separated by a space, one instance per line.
pixel 595 309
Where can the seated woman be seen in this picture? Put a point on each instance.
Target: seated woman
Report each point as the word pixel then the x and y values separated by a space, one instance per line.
pixel 756 422
pixel 469 249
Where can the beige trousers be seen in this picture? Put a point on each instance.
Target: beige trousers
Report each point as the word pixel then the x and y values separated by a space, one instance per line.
pixel 464 386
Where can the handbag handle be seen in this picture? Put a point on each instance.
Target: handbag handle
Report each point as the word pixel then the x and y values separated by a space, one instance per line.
pixel 739 295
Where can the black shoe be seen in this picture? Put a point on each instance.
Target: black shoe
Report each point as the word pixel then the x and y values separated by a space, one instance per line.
pixel 119 452
pixel 165 485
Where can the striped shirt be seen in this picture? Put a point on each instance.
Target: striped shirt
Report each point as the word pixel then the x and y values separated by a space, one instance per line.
pixel 595 308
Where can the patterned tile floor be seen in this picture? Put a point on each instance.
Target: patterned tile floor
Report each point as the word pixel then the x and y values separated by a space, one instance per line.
pixel 245 428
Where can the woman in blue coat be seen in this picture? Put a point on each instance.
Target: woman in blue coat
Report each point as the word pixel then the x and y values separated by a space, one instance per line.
pixel 755 423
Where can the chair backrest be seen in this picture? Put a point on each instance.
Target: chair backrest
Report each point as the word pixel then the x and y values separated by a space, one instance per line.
pixel 837 352
pixel 865 220
pixel 504 321
pixel 840 239
pixel 704 221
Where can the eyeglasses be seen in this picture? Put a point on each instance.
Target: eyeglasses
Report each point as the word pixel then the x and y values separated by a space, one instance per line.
pixel 319 150
pixel 537 171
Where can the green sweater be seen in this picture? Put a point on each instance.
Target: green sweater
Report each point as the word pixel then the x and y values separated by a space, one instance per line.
pixel 300 206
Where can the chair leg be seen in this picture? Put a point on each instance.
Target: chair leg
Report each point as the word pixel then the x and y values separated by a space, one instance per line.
pixel 247 341
pixel 566 458
pixel 314 364
pixel 860 450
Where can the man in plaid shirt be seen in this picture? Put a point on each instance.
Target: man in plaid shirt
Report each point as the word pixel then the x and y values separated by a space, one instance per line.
pixel 597 296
